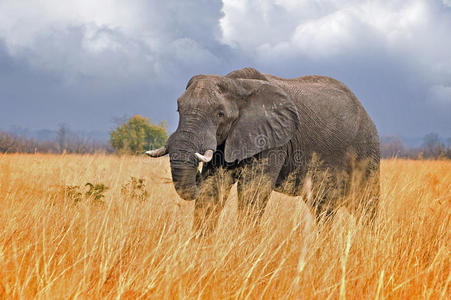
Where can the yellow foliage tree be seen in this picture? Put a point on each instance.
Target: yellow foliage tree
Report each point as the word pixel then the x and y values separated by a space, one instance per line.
pixel 137 135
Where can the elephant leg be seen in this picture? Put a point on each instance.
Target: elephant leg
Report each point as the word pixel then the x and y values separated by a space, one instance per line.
pixel 373 203
pixel 365 190
pixel 353 189
pixel 255 184
pixel 252 201
pixel 206 216
pixel 323 210
pixel 371 192
pixel 208 206
pixel 328 187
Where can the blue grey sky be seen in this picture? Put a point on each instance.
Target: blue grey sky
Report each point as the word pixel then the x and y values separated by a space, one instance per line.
pixel 85 63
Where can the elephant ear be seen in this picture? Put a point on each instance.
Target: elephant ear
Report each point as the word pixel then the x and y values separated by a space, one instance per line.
pixel 268 119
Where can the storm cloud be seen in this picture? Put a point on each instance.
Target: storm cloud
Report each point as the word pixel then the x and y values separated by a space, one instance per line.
pixel 85 63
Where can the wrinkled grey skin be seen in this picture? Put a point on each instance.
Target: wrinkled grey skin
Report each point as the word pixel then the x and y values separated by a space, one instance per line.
pixel 263 126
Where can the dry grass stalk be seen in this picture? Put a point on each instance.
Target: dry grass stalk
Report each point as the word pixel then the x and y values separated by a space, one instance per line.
pixel 54 247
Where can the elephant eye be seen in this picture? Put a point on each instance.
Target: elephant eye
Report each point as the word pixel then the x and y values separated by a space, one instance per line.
pixel 220 114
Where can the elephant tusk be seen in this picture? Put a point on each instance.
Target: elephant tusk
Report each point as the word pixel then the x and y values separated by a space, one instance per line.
pixel 199 169
pixel 208 155
pixel 158 152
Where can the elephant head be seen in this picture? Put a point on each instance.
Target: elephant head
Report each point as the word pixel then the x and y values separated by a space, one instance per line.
pixel 245 116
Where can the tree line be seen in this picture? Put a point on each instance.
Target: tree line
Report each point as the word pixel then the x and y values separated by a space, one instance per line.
pixel 432 147
pixel 134 136
pixel 138 134
pixel 65 141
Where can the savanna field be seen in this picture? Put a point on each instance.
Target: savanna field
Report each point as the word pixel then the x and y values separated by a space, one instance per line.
pixel 99 226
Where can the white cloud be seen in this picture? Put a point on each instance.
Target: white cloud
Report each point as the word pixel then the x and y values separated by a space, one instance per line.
pixel 22 20
pixel 415 33
pixel 107 38
pixel 97 41
pixel 321 28
pixel 394 53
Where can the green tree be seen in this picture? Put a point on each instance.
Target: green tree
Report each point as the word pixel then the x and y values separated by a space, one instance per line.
pixel 137 135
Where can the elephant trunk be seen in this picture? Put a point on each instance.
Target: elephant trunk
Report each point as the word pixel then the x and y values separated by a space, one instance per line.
pixel 183 164
pixel 187 146
pixel 184 179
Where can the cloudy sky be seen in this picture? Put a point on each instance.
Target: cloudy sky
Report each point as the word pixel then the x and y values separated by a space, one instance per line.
pixel 85 63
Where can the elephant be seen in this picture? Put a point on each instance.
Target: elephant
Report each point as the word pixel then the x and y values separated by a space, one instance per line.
pixel 269 133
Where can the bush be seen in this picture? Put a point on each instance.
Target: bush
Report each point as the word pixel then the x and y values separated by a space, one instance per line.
pixel 135 189
pixel 94 192
pixel 137 135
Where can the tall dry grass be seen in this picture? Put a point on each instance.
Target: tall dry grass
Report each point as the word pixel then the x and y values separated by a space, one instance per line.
pixel 55 243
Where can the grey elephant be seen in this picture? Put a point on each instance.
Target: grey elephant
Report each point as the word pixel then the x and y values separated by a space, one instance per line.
pixel 268 133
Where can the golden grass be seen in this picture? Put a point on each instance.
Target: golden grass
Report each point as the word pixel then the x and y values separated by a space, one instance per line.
pixel 124 247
